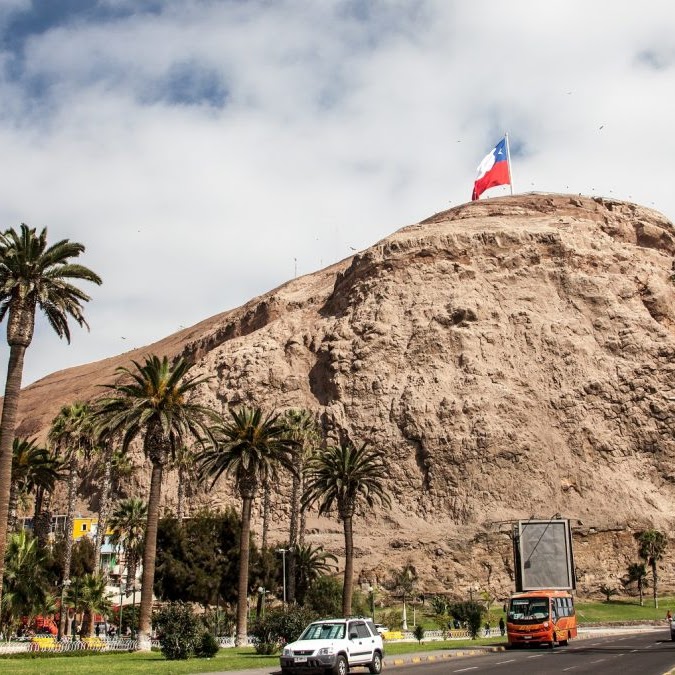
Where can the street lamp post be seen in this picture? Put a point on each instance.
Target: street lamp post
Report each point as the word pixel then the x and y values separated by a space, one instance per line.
pixel 119 628
pixel 64 586
pixel 133 612
pixel 283 552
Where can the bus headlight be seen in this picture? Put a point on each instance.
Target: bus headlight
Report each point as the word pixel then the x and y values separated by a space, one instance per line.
pixel 545 624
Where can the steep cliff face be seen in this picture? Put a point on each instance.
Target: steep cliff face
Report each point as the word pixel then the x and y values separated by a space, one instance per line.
pixel 513 357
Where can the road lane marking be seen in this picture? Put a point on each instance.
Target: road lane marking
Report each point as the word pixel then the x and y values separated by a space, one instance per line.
pixel 598 661
pixel 463 670
pixel 570 668
pixel 499 663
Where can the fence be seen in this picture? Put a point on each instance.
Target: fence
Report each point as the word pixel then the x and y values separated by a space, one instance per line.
pixel 94 644
pixel 51 644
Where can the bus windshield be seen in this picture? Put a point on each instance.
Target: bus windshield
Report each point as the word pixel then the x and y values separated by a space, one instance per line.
pixel 528 610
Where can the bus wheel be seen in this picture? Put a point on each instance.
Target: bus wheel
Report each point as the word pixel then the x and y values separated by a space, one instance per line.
pixel 564 643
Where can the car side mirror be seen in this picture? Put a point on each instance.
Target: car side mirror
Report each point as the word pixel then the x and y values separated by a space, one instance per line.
pixel 353 636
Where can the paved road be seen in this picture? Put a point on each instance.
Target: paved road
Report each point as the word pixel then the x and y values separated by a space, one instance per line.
pixel 650 653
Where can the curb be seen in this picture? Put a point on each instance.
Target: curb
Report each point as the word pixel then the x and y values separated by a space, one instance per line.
pixel 452 654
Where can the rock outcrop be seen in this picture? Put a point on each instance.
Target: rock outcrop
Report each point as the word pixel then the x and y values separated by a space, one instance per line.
pixel 512 356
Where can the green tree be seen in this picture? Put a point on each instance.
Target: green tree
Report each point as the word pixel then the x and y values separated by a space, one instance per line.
pixel 653 544
pixel 179 631
pixel 312 562
pixel 42 515
pixel 26 589
pixel 152 402
pixel 637 574
pixel 346 477
pixel 250 448
pixel 185 465
pixel 324 597
pixel 418 632
pixel 198 558
pixel 127 523
pixel 469 612
pixel 32 275
pixel 71 435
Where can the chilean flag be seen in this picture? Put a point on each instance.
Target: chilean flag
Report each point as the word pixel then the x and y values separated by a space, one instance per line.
pixel 493 170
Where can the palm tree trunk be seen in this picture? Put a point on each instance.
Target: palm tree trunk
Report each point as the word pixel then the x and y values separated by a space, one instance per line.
pixel 7 427
pixel 293 537
pixel 104 504
pixel 42 518
pixel 149 552
pixel 180 497
pixel 349 567
pixel 13 508
pixel 242 587
pixel 132 566
pixel 656 597
pixel 68 534
pixel 266 513
pixel 642 601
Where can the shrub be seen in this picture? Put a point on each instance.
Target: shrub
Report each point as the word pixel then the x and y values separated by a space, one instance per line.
pixel 277 628
pixel 469 612
pixel 418 632
pixel 207 646
pixel 178 630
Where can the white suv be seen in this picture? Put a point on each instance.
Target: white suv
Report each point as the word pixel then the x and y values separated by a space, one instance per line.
pixel 334 646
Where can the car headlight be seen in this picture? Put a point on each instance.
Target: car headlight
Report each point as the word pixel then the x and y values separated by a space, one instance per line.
pixel 287 652
pixel 326 651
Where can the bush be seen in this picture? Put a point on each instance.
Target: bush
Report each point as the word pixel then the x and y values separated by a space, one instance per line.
pixel 418 632
pixel 207 646
pixel 277 628
pixel 178 630
pixel 469 612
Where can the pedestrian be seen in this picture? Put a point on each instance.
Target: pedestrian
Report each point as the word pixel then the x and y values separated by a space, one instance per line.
pixel 487 629
pixel 669 616
pixel 502 626
pixel 98 630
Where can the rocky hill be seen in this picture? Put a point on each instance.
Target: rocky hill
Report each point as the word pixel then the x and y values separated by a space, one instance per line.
pixel 513 356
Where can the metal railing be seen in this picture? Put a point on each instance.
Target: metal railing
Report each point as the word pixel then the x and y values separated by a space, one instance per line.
pixel 52 645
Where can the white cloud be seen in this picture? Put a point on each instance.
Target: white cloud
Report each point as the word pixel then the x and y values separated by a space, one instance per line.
pixel 314 128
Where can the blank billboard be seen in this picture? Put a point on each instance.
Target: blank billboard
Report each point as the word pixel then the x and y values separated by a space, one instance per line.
pixel 543 555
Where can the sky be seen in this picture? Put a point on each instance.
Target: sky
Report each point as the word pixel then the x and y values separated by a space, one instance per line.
pixel 207 151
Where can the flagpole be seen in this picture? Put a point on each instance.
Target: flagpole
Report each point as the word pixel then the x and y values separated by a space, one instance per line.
pixel 508 159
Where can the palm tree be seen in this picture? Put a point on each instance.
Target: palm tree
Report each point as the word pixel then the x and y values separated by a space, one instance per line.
pixel 346 477
pixel 127 523
pixel 32 275
pixel 303 428
pixel 26 588
pixel 637 574
pixel 404 581
pixel 71 434
pixel 32 468
pixel 151 403
pixel 250 448
pixel 311 563
pixel 42 516
pixel 90 599
pixel 652 547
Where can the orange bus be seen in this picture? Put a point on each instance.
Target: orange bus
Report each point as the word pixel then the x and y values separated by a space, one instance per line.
pixel 536 617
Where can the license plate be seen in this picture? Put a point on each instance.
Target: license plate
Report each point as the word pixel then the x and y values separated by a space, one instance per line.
pixel 300 659
pixel 527 637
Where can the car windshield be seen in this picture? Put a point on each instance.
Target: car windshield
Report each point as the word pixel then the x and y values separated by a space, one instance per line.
pixel 324 631
pixel 528 610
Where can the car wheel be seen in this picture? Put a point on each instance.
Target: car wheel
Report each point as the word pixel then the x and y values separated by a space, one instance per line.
pixel 375 666
pixel 287 671
pixel 341 666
